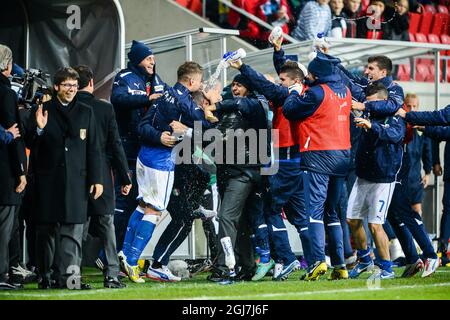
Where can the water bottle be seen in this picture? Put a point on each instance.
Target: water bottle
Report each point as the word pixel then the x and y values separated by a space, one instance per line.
pixel 230 260
pixel 320 42
pixel 233 56
pixel 276 34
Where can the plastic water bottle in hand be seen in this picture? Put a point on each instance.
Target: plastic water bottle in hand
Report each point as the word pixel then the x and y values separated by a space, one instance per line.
pixel 230 260
pixel 234 56
pixel 320 43
pixel 275 35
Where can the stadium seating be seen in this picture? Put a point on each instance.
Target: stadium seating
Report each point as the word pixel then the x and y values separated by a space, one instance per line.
pixel 404 72
pixel 439 24
pixel 430 8
pixel 414 21
pixel 445 39
pixel 422 72
pixel 425 23
pixel 442 9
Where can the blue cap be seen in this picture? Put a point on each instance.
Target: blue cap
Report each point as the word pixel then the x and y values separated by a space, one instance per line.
pixel 321 66
pixel 138 52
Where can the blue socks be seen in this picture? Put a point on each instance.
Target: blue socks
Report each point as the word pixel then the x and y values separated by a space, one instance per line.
pixel 306 245
pixel 336 244
pixel 144 231
pixel 317 236
pixel 131 230
pixel 385 265
pixel 364 255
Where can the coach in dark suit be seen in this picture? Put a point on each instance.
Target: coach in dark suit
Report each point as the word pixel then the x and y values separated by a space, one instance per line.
pixel 101 211
pixel 66 162
pixel 12 164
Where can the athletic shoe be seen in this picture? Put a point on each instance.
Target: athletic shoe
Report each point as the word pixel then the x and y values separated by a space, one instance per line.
pixel 162 274
pixel 338 274
pixel 7 286
pixel 382 274
pixel 315 271
pixel 303 263
pixel 430 267
pixel 113 283
pixel 262 270
pixel 131 271
pixel 19 272
pixel 351 261
pixel 412 269
pixel 122 258
pixel 359 268
pixel 277 270
pixel 287 270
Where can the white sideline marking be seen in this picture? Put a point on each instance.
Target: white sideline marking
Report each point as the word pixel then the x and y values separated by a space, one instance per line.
pixel 305 293
pixel 18 293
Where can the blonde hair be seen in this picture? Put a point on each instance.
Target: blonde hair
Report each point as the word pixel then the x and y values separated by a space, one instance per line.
pixel 411 95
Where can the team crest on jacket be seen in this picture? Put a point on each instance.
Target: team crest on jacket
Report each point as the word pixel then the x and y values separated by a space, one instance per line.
pixel 82 134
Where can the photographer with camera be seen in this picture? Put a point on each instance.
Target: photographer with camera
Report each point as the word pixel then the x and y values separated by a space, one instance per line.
pixel 13 168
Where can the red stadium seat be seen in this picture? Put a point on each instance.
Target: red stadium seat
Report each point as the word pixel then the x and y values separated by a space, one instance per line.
pixel 432 38
pixel 445 39
pixel 412 37
pixel 422 72
pixel 431 75
pixel 404 72
pixel 442 9
pixel 420 37
pixel 430 8
pixel 448 73
pixel 439 24
pixel 414 21
pixel 425 23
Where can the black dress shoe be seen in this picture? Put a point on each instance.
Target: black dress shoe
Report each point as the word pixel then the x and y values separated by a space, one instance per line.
pixel 113 283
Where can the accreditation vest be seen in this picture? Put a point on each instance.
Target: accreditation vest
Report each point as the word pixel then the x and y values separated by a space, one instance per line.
pixel 288 130
pixel 329 127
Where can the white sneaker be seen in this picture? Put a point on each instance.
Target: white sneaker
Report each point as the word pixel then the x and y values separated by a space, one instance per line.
pixel 277 270
pixel 430 267
pixel 162 274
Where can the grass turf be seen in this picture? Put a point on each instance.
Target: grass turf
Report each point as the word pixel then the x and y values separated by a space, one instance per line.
pixel 434 287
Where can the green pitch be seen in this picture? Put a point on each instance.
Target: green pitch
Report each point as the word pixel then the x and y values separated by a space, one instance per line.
pixel 434 287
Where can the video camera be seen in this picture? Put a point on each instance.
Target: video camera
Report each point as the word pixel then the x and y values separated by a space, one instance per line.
pixel 31 87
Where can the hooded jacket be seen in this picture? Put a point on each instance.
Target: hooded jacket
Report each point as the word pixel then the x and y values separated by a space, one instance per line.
pixel 131 89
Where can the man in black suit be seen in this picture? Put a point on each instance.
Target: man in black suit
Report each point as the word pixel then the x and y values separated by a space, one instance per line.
pixel 66 162
pixel 12 165
pixel 101 211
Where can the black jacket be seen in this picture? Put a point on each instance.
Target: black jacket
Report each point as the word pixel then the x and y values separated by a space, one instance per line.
pixel 66 161
pixel 12 156
pixel 111 153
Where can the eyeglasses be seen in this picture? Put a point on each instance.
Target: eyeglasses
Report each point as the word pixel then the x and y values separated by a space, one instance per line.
pixel 68 86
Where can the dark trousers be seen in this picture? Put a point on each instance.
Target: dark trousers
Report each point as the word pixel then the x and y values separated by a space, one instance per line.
pixel 125 206
pixel 284 192
pixel 6 225
pixel 15 246
pixel 189 185
pixel 445 220
pixel 102 226
pixel 233 223
pixel 403 220
pixel 61 243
